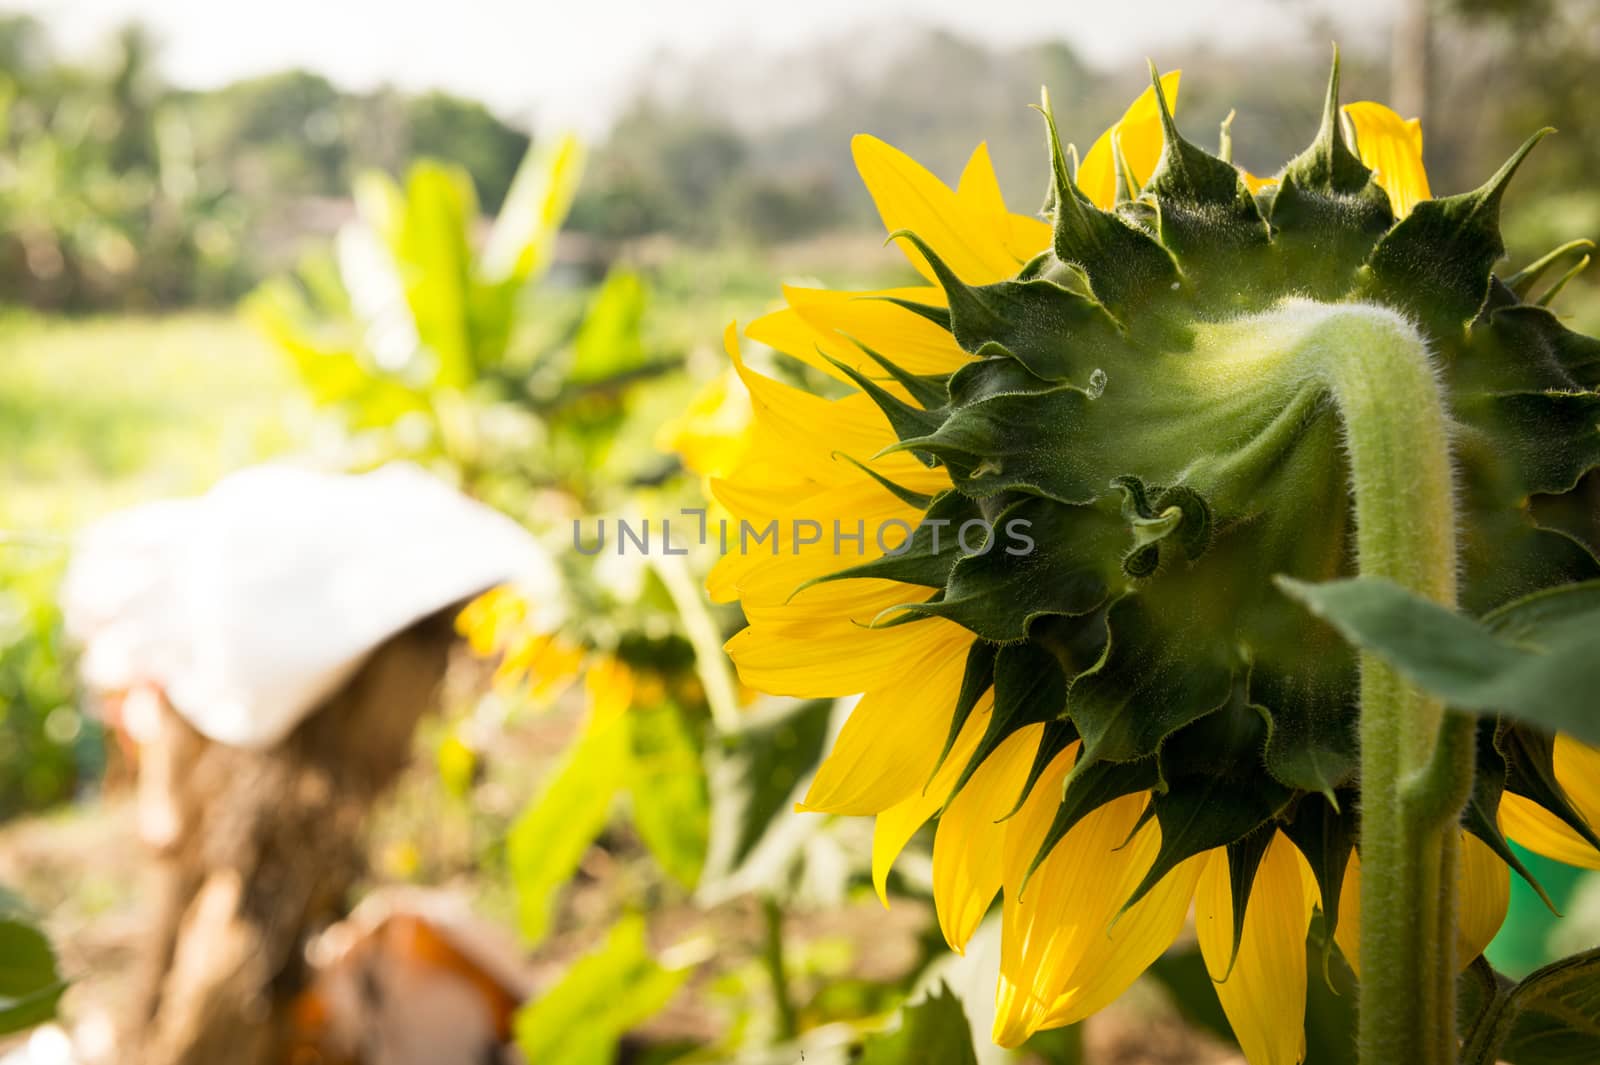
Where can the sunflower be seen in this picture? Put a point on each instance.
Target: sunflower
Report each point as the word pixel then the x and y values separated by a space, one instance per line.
pixel 1124 718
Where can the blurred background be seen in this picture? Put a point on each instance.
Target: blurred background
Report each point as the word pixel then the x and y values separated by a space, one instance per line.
pixel 232 233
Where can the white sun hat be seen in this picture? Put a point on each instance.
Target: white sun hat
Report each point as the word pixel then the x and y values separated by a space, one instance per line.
pixel 250 605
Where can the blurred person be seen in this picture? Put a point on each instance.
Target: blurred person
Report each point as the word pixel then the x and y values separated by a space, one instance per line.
pixel 266 650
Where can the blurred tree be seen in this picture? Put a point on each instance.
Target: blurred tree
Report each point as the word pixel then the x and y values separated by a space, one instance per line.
pixel 468 134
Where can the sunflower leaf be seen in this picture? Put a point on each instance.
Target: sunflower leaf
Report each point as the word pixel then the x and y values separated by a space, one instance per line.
pixel 30 985
pixel 1551 1018
pixel 1537 659
pixel 932 1032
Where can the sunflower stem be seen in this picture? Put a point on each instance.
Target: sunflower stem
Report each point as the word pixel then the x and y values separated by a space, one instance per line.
pixel 777 969
pixel 1416 766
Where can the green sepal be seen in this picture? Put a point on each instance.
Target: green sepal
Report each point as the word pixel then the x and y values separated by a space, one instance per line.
pixel 906 420
pixel 976 678
pixel 1326 835
pixel 995 374
pixel 1205 213
pixel 1026 442
pixel 1213 792
pixel 1574 515
pixel 1311 742
pixel 926 560
pixel 919 500
pixel 1508 554
pixel 1043 325
pixel 1436 262
pixel 1524 280
pixel 1328 166
pixel 1553 438
pixel 1521 283
pixel 1531 773
pixel 1029 689
pixel 1515 347
pixel 999 594
pixel 1563 281
pixel 931 391
pixel 1122 261
pixel 1149 513
pixel 1327 212
pixel 1089 786
pixel 939 316
pixel 1535 333
pixel 1149 682
pixel 1481 816
pixel 1244 858
pixel 1057 736
pixel 1326 237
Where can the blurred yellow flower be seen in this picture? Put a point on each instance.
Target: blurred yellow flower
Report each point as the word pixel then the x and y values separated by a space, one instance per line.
pixel 712 434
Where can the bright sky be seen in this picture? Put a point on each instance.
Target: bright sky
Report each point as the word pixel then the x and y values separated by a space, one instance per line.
pixel 569 62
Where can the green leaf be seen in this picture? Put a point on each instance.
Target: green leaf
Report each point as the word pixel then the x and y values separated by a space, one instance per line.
pixel 550 836
pixel 580 1020
pixel 609 343
pixel 933 1032
pixel 1537 659
pixel 541 193
pixel 754 778
pixel 30 985
pixel 1550 1018
pixel 432 251
pixel 671 809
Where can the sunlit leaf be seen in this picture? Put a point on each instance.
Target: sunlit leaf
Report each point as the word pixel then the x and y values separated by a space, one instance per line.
pixel 671 809
pixel 932 1032
pixel 551 835
pixel 519 246
pixel 30 985
pixel 756 778
pixel 581 1018
pixel 609 342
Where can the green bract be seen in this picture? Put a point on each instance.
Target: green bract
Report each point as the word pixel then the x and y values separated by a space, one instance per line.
pixel 1147 394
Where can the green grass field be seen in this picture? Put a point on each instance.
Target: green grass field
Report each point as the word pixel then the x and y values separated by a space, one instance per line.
pixel 96 413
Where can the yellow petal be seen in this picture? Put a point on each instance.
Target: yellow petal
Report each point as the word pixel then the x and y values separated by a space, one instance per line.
pixel 835 661
pixel 893 828
pixel 1542 832
pixel 904 337
pixel 1264 994
pixel 1024 235
pixel 1391 147
pixel 1348 934
pixel 1139 133
pixel 970 841
pixel 1256 184
pixel 889 744
pixel 1577 769
pixel 838 324
pixel 979 187
pixel 609 685
pixel 713 433
pixel 1065 950
pixel 909 197
pixel 1485 893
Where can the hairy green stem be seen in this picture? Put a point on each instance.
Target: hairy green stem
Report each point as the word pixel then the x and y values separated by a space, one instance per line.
pixel 777 968
pixel 1416 768
pixel 1416 760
